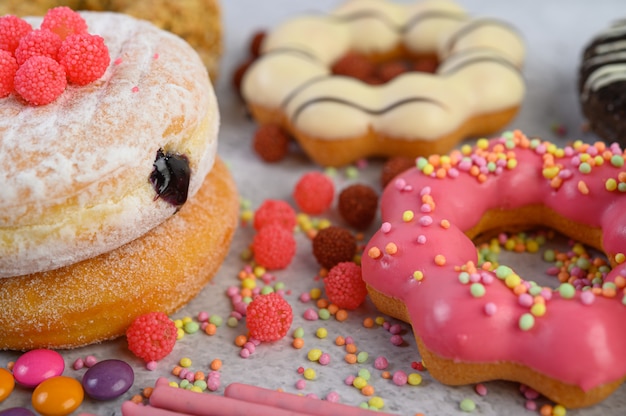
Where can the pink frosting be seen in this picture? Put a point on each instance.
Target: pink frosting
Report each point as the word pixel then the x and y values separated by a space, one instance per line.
pixel 577 342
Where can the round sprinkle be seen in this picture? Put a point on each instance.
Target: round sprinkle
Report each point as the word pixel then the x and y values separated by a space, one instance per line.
pixel 526 321
pixel 321 333
pixel 477 290
pixel 309 374
pixel 314 354
pixel 376 402
pixel 567 290
pixel 467 405
pixel 414 379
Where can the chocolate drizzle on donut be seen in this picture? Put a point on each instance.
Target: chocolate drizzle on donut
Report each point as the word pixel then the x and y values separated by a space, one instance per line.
pixel 170 177
pixel 353 104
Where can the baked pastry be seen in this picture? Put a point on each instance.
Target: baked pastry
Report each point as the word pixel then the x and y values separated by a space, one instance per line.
pixel 90 239
pixel 602 83
pixel 475 323
pixel 196 21
pixel 476 90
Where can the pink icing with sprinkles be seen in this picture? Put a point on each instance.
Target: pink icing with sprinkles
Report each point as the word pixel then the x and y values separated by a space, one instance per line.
pixel 514 171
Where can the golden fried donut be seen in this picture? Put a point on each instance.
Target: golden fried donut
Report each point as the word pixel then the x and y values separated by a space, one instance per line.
pixel 476 90
pixel 87 225
pixel 475 323
pixel 98 298
pixel 196 21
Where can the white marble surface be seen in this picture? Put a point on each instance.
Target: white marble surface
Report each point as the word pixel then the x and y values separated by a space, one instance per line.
pixel 555 33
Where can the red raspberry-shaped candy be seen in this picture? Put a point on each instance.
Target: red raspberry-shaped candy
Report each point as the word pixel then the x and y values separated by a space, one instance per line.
pixel 85 57
pixel 39 42
pixel 8 68
pixel 12 29
pixel 314 193
pixel 271 143
pixel 64 22
pixel 275 211
pixel 274 246
pixel 268 317
pixel 40 80
pixel 344 285
pixel 151 336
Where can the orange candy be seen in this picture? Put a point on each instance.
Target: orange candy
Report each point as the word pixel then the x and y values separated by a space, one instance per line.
pixel 7 383
pixel 58 396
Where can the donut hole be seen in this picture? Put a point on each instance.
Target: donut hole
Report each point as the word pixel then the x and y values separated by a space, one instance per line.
pixel 380 70
pixel 545 257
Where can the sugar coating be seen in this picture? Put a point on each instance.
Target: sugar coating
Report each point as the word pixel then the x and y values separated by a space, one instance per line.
pixel 77 182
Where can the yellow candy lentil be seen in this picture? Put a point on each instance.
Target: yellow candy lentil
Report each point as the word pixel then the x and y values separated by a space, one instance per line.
pixel 414 379
pixel 321 333
pixel 376 402
pixel 185 362
pixel 314 354
pixel 359 382
pixel 309 374
pixel 315 293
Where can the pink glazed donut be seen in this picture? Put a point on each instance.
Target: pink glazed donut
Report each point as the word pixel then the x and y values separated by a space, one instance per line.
pixel 468 321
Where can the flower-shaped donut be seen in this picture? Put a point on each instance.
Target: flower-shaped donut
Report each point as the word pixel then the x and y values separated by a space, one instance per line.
pixel 476 90
pixel 475 323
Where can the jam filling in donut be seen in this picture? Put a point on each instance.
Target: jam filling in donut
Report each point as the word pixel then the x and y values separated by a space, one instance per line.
pixel 170 177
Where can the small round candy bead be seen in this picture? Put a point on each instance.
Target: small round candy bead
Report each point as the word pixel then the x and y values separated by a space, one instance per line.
pixel 400 378
pixel 380 363
pixel 309 374
pixel 414 379
pixel 467 405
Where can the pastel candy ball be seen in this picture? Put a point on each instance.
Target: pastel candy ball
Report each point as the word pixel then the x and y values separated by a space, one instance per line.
pixel 58 396
pixel 7 384
pixel 35 366
pixel 108 379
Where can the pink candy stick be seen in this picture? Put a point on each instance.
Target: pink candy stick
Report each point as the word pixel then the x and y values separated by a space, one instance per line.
pixel 293 402
pixel 133 409
pixel 205 404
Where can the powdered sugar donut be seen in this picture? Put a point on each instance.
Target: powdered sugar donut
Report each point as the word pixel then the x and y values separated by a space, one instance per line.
pixel 469 322
pixel 87 225
pixel 476 90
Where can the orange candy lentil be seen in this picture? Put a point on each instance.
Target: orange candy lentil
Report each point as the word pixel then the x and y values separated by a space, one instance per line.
pixel 341 315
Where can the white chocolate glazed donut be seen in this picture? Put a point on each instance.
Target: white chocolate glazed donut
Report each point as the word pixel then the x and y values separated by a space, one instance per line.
pixel 78 181
pixel 476 90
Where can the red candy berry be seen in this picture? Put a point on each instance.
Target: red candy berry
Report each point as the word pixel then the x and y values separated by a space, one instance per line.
pixel 40 80
pixel 268 317
pixel 344 285
pixel 12 29
pixel 275 211
pixel 38 43
pixel 8 68
pixel 274 246
pixel 85 57
pixel 314 193
pixel 64 22
pixel 151 336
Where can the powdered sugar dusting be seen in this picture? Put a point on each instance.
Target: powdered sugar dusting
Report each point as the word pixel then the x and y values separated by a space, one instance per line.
pixel 76 179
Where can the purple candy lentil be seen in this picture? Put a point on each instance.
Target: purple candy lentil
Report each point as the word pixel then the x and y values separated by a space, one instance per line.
pixel 108 379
